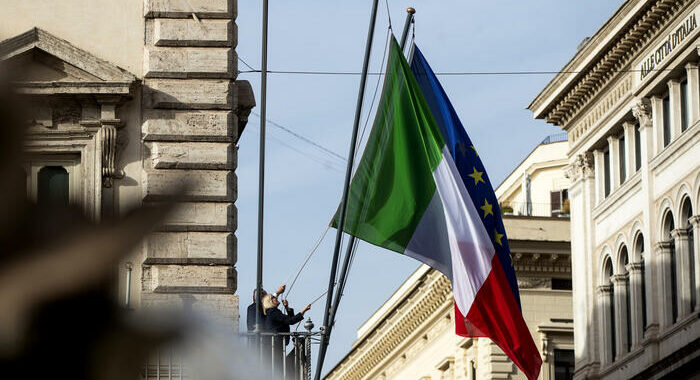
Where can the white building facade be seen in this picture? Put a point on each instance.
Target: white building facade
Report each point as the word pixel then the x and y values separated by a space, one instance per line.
pixel 630 102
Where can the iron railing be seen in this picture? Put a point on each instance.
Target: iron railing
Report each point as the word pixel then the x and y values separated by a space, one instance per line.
pixel 557 137
pixel 284 356
pixel 535 209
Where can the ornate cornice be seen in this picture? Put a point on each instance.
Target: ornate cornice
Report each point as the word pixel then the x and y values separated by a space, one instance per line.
pixel 602 71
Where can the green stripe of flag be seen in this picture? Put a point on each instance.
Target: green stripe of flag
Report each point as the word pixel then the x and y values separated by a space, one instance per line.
pixel 393 184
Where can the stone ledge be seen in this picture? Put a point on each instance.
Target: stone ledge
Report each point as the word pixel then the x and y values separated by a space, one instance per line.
pixel 191 33
pixel 220 305
pixel 188 278
pixel 201 217
pixel 191 155
pixel 189 94
pixel 188 246
pixel 185 9
pixel 171 125
pixel 200 185
pixel 186 63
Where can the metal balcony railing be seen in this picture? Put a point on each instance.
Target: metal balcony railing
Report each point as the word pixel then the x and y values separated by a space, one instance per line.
pixel 284 356
pixel 535 209
pixel 558 137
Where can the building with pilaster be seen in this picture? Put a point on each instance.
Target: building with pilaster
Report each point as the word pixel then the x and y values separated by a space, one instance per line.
pixel 630 102
pixel 412 335
pixel 130 99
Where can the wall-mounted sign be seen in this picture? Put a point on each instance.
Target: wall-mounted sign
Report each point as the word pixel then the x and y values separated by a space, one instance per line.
pixel 673 40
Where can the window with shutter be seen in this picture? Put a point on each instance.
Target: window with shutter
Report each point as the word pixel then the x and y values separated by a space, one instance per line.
pixel 555 201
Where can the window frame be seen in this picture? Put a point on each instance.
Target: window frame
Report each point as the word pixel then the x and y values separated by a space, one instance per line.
pixel 70 162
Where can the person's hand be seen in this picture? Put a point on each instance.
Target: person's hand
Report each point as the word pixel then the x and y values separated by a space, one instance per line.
pixel 306 308
pixel 285 303
pixel 281 289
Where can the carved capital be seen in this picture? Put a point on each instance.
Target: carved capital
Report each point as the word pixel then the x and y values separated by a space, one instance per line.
pixel 642 112
pixel 694 221
pixel 604 289
pixel 680 233
pixel 635 267
pixel 663 247
pixel 581 167
pixel 619 279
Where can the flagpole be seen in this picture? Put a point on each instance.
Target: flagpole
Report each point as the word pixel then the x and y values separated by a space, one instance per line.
pixel 407 25
pixel 348 174
pixel 261 173
pixel 352 240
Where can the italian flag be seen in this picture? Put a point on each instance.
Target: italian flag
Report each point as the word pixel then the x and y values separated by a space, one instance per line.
pixel 421 190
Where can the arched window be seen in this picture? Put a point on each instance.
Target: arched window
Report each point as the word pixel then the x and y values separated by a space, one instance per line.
pixel 686 214
pixel 52 186
pixel 624 260
pixel 668 226
pixel 639 249
pixel 610 313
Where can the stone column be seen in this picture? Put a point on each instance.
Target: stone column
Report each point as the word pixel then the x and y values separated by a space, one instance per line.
pixel 643 111
pixel 620 285
pixel 680 237
pixel 614 162
pixel 695 222
pixel 599 176
pixel 674 93
pixel 691 69
pixel 657 113
pixel 193 110
pixel 665 300
pixel 605 333
pixel 582 197
pixel 629 148
pixel 636 303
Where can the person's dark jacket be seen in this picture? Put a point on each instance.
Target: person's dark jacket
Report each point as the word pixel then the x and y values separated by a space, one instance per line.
pixel 250 319
pixel 278 322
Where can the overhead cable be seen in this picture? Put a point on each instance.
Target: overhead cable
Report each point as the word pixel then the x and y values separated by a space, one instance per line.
pixel 445 73
pixel 305 139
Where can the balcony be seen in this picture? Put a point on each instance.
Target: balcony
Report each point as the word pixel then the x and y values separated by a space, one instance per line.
pixel 547 209
pixel 267 355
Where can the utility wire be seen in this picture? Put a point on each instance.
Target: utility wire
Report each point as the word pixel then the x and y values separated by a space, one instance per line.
pixel 247 65
pixel 305 139
pixel 446 73
pixel 321 161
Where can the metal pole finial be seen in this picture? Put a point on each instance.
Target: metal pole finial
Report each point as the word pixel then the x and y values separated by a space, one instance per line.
pixel 411 10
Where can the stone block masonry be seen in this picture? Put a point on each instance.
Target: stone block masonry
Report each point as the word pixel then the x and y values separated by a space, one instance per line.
pixel 193 110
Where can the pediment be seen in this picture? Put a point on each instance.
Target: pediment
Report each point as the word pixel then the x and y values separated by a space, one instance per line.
pixel 42 63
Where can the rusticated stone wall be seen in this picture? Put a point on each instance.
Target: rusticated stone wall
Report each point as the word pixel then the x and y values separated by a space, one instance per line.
pixel 192 111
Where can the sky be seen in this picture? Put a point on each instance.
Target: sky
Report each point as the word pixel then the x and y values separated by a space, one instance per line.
pixel 303 184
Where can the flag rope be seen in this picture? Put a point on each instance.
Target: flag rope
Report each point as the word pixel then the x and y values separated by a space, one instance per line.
pixel 308 257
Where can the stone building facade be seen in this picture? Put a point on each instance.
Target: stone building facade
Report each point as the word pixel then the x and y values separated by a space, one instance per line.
pixel 411 336
pixel 630 102
pixel 129 100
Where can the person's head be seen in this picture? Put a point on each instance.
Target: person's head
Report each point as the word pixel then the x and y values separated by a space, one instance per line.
pixel 255 293
pixel 268 302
